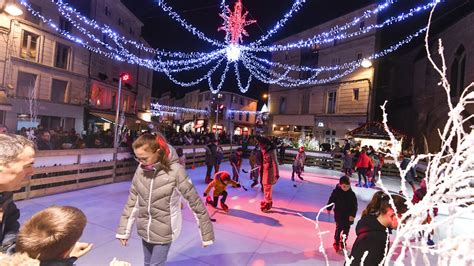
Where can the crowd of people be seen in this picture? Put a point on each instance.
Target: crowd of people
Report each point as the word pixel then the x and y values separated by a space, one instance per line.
pixel 160 183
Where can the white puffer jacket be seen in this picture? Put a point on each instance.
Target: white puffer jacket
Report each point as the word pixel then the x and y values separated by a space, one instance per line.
pixel 154 201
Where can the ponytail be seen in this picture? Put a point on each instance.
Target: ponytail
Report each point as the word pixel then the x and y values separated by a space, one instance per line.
pixel 380 203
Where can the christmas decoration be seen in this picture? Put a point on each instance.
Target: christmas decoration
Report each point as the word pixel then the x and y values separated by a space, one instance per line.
pixel 232 50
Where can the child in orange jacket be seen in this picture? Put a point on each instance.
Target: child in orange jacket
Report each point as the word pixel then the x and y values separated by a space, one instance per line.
pixel 219 183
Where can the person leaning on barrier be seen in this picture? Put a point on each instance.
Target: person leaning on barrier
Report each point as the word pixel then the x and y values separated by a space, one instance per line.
pixel 16 163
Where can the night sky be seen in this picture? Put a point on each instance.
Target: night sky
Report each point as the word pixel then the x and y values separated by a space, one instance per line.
pixel 163 32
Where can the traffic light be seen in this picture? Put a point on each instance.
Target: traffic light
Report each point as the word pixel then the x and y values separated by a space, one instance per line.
pixel 221 107
pixel 125 76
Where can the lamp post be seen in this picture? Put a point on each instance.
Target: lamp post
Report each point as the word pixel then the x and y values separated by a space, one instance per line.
pixel 366 63
pixel 123 77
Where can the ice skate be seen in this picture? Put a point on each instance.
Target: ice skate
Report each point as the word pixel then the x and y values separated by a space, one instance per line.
pixel 224 207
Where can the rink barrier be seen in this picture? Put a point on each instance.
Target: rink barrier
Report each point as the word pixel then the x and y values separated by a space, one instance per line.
pixel 331 160
pixel 59 171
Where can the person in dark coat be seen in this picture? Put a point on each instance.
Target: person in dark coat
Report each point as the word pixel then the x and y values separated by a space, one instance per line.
pixel 345 210
pixel 16 163
pixel 211 160
pixel 44 141
pixel 371 230
pixel 236 162
pixel 269 172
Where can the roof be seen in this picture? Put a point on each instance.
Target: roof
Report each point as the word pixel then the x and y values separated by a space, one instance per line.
pixel 374 130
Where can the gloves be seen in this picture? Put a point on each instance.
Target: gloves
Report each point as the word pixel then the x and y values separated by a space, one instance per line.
pixel 238 185
pixel 205 194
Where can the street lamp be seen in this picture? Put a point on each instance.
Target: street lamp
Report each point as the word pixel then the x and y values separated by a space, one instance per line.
pixel 366 63
pixel 219 107
pixel 123 77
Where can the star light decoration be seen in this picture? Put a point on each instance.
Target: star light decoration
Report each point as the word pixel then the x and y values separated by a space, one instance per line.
pixel 232 53
pixel 234 25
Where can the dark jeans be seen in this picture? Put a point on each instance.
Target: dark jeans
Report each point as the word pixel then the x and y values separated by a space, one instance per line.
pixel 348 171
pixel 155 255
pixel 297 170
pixel 216 199
pixel 209 169
pixel 361 172
pixel 341 228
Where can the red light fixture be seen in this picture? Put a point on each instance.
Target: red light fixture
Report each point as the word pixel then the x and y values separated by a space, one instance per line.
pixel 125 77
pixel 221 106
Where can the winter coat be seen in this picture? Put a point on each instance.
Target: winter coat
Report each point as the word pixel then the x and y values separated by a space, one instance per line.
pixel 255 158
pixel 345 205
pixel 269 167
pixel 236 159
pixel 9 223
pixel 364 161
pixel 154 201
pixel 219 185
pixel 371 237
pixel 411 174
pixel 211 154
pixel 299 160
pixel 347 161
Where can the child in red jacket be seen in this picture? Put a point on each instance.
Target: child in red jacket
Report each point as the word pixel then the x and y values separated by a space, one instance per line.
pixel 363 164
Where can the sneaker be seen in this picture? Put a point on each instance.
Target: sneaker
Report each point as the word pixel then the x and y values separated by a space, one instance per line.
pixel 366 185
pixel 224 207
pixel 336 247
pixel 262 203
pixel 359 184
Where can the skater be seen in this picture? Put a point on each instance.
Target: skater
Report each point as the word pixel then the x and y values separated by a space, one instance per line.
pixel 363 164
pixel 269 172
pixel 372 231
pixel 236 162
pixel 219 156
pixel 298 164
pixel 181 156
pixel 154 200
pixel 211 160
pixel 345 211
pixel 255 160
pixel 347 163
pixel 417 197
pixel 411 175
pixel 219 184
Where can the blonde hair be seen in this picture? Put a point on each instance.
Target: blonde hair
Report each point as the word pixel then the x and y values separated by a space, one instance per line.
pixel 18 259
pixel 50 233
pixel 155 143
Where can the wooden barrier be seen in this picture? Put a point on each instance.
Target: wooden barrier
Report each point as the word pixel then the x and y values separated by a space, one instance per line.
pixel 60 171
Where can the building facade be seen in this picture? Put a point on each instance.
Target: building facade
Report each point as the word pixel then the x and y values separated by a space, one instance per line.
pixel 237 123
pixel 417 104
pixel 55 83
pixel 329 110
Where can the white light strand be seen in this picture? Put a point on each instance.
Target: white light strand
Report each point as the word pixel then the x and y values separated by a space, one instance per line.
pixel 323 38
pixel 237 77
pixel 294 9
pixel 166 108
pixel 221 83
pixel 186 25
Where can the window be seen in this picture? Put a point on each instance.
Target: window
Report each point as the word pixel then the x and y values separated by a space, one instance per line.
pixel 234 99
pixel 107 11
pixel 32 18
pixel 25 85
pixel 359 56
pixel 309 57
pixel 241 101
pixel 362 25
pixel 335 62
pixel 305 103
pixel 233 116
pixel 64 24
pixel 247 117
pixel 282 107
pixel 29 46
pixel 458 67
pixel 331 102
pixel 132 32
pixel 355 94
pixel 240 116
pixel 58 91
pixel 200 98
pixel 62 56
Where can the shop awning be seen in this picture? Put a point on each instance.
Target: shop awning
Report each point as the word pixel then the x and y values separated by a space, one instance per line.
pixel 130 122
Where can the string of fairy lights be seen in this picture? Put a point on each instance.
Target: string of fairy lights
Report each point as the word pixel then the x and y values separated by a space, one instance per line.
pixel 232 52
